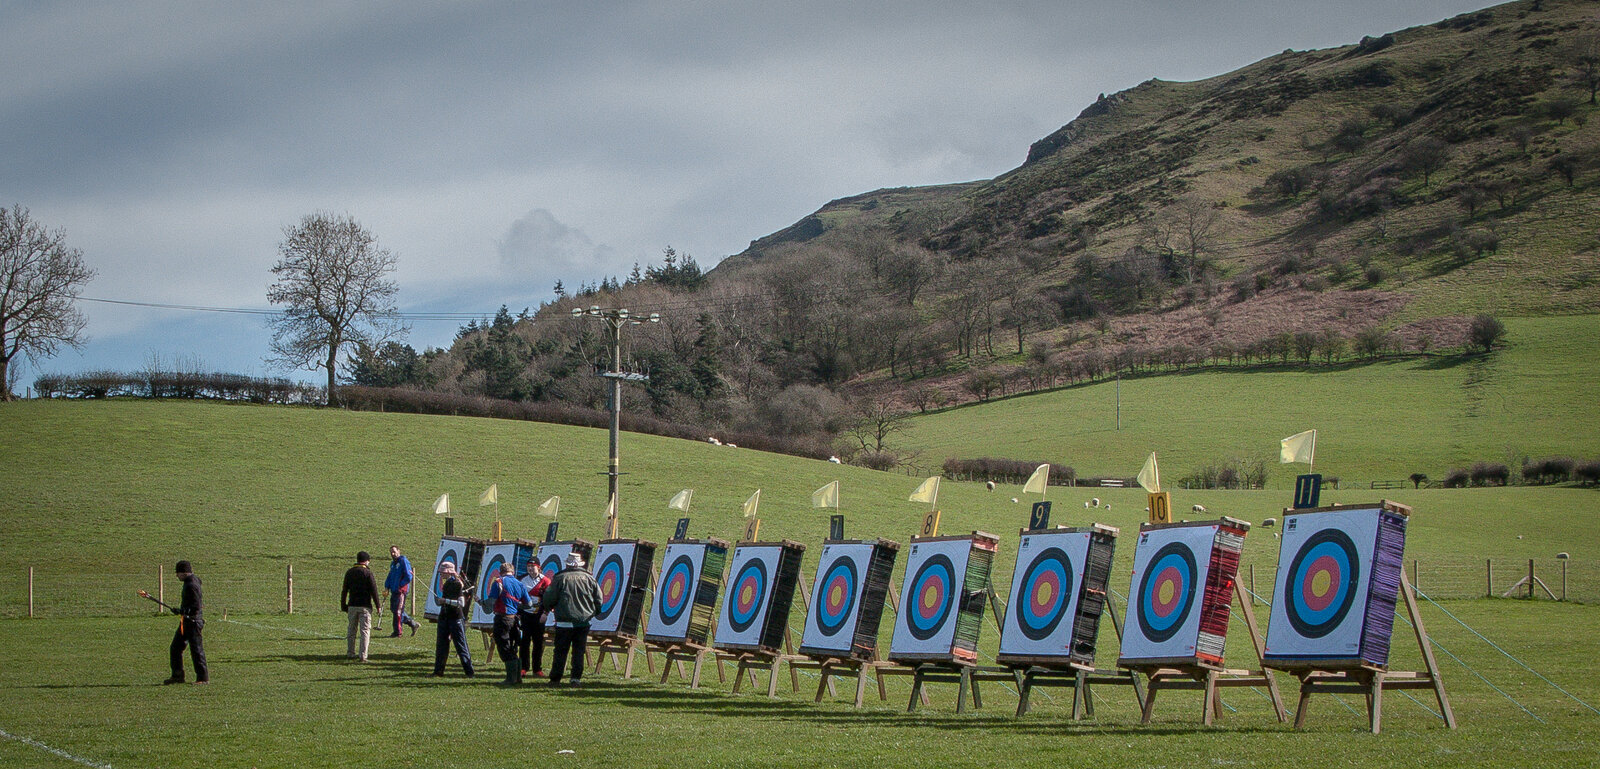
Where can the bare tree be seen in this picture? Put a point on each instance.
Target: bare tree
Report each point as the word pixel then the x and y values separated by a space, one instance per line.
pixel 1585 55
pixel 333 285
pixel 40 277
pixel 875 423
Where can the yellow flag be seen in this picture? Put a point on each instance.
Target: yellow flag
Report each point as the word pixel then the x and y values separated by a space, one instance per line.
pixel 490 496
pixel 551 507
pixel 1038 481
pixel 680 500
pixel 927 492
pixel 441 506
pixel 827 496
pixel 751 504
pixel 1150 476
pixel 1300 447
pixel 611 518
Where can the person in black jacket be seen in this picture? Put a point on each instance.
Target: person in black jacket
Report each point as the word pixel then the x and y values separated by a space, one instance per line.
pixel 452 622
pixel 190 622
pixel 574 597
pixel 359 599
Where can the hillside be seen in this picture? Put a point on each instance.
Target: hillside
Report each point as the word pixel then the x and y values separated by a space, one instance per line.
pixel 1406 154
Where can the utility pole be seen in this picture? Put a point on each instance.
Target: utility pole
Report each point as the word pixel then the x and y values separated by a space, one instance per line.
pixel 1119 401
pixel 615 320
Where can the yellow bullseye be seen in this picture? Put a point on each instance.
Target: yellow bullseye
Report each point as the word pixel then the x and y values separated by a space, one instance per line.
pixel 1321 583
pixel 836 595
pixel 930 598
pixel 747 594
pixel 1042 595
pixel 1166 592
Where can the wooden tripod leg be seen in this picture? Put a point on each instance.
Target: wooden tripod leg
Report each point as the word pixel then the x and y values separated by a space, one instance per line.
pixel 772 679
pixel 699 658
pixel 738 677
pixel 822 685
pixel 1375 703
pixel 1305 702
pixel 1427 653
pixel 861 686
pixel 962 687
pixel 916 691
pixel 1149 700
pixel 1208 710
pixel 1024 691
pixel 1247 607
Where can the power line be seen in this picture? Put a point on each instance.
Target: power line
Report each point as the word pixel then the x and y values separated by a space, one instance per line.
pixel 413 316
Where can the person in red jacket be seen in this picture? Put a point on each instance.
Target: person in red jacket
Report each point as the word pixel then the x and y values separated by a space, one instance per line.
pixel 530 647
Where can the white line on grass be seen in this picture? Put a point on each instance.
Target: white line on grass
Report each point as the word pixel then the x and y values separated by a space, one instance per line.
pixel 284 629
pixel 48 749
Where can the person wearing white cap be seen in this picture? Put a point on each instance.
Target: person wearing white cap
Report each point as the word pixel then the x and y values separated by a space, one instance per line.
pixel 574 596
pixel 452 620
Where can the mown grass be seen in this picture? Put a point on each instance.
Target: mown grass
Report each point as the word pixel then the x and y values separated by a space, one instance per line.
pixel 1538 396
pixel 97 494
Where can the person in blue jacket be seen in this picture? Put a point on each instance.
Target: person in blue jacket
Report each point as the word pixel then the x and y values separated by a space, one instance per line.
pixel 506 598
pixel 396 585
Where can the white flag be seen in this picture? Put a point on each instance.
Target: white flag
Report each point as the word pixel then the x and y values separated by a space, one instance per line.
pixel 1038 481
pixel 827 496
pixel 927 492
pixel 1150 476
pixel 1300 447
pixel 441 506
pixel 752 503
pixel 490 496
pixel 680 500
pixel 551 507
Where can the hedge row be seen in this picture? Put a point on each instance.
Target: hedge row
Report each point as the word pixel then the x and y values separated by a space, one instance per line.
pixel 176 384
pixel 1005 470
pixel 408 401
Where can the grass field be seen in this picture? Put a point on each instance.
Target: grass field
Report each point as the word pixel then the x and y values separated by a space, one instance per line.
pixel 98 494
pixel 1539 396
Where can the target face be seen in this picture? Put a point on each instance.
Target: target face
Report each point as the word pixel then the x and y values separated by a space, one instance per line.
pixel 1044 594
pixel 1167 592
pixel 839 587
pixel 552 558
pixel 676 583
pixel 613 581
pixel 1322 583
pixel 1324 577
pixel 1046 590
pixel 936 572
pixel 748 589
pixel 449 552
pixel 933 592
pixel 1170 565
pixel 493 556
pixel 836 597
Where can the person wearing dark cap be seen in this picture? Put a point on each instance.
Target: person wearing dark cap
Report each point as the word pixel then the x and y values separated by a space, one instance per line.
pixel 452 601
pixel 359 599
pixel 190 622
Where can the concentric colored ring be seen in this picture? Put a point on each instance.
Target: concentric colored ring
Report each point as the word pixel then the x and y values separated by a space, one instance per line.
pixel 1322 583
pixel 748 591
pixel 1167 592
pixel 677 589
pixel 491 574
pixel 836 596
pixel 1042 597
pixel 552 565
pixel 932 596
pixel 613 579
pixel 450 556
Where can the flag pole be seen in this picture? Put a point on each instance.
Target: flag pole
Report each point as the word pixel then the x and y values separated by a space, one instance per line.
pixel 1311 465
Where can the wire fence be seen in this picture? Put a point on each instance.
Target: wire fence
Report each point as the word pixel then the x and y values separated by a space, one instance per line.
pixel 311 586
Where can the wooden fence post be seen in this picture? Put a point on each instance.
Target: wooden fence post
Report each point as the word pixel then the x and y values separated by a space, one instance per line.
pixel 1416 574
pixel 161 582
pixel 290 588
pixel 1488 583
pixel 1563 579
pixel 1530 579
pixel 30 591
pixel 1252 584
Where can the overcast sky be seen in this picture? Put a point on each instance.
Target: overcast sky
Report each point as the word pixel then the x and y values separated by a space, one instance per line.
pixel 496 147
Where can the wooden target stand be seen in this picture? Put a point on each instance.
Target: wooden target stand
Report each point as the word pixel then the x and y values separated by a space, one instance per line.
pixel 1050 672
pixel 829 668
pixel 1188 675
pixel 1356 677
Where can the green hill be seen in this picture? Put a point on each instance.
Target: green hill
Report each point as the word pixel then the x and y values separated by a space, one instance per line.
pixel 1537 397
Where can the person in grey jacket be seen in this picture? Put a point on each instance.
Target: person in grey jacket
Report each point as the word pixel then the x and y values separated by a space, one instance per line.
pixel 574 596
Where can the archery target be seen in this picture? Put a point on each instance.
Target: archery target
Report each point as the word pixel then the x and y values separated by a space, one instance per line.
pixel 675 589
pixel 552 557
pixel 930 597
pixel 1169 577
pixel 614 562
pixel 1044 594
pixel 1324 570
pixel 450 551
pixel 836 597
pixel 493 556
pixel 750 589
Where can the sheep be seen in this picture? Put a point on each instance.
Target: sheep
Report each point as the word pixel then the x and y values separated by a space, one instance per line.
pixel 1086 505
pixel 989 485
pixel 1095 502
pixel 834 460
pixel 713 441
pixel 1013 500
pixel 1198 509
